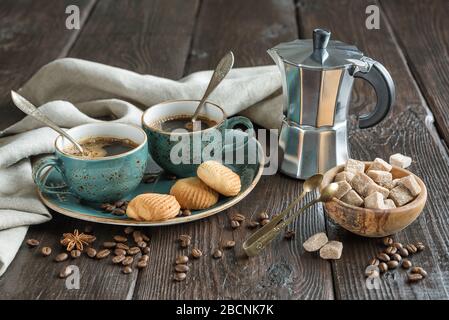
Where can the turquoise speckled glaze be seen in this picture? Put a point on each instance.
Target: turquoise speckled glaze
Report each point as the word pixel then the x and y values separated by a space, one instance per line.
pixel 161 143
pixel 97 180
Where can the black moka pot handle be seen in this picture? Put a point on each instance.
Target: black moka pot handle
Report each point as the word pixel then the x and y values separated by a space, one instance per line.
pixel 380 79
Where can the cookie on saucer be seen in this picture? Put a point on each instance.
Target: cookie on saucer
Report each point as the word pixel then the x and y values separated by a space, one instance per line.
pixel 193 194
pixel 153 207
pixel 220 178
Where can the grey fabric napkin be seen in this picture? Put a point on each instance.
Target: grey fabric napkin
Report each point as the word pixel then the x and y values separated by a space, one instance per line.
pixel 73 92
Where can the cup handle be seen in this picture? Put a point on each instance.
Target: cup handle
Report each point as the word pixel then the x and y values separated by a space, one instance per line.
pixel 41 179
pixel 231 123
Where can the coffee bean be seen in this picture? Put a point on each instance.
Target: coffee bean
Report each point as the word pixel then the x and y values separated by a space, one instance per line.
pixel 145 257
pixel 179 276
pixel 182 268
pixel 120 252
pixel 414 277
pixel 397 257
pixel 184 237
pixel 186 213
pixel 289 234
pixel 146 250
pixel 238 217
pixel 109 244
pixel 398 245
pixel 387 241
pixel 374 262
pixel 122 246
pixel 61 257
pixel 119 203
pixel 217 254
pixel 142 264
pixel 46 251
pixel 182 260
pixel 109 208
pixel 371 273
pixel 118 212
pixel 392 264
pixel 142 244
pixel 383 267
pixel 91 252
pixel 391 250
pixel 144 237
pixel 411 248
pixel 65 272
pixel 420 271
pixel 105 205
pixel 103 253
pixel 128 261
pixel 128 230
pixel 32 243
pixel 420 246
pixel 264 222
pixel 127 270
pixel 121 239
pixel 196 253
pixel 403 252
pixel 235 224
pixel 383 257
pixel 229 244
pixel 133 251
pixel 263 216
pixel 118 259
pixel 137 235
pixel 75 254
pixel 252 224
pixel 406 264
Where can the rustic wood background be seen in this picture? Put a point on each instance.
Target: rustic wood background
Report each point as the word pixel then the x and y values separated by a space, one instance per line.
pixel 176 37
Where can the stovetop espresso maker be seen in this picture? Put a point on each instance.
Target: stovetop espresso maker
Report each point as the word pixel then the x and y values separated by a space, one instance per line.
pixel 317 78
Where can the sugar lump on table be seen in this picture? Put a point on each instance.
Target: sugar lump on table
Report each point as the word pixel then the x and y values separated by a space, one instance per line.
pixel 331 250
pixel 400 160
pixel 411 184
pixel 400 195
pixel 315 242
pixel 380 164
pixel 354 166
pixel 352 198
pixel 375 201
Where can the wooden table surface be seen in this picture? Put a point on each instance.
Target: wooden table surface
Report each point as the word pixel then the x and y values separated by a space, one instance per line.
pixel 176 37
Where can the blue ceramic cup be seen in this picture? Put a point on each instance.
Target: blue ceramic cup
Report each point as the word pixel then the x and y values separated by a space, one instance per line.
pixel 180 152
pixel 98 180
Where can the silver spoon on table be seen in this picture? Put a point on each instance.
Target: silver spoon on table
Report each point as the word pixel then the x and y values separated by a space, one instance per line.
pixel 220 72
pixel 27 107
pixel 256 243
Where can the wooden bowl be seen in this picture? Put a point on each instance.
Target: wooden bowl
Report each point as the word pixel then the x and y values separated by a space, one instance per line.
pixel 374 222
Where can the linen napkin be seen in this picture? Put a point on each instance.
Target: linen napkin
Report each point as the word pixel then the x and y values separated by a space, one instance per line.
pixel 73 92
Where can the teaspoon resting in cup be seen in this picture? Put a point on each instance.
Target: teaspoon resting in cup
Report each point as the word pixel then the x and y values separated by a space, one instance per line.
pixel 256 243
pixel 27 107
pixel 220 72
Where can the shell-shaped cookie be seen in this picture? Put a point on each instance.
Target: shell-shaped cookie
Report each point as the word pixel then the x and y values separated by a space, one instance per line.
pixel 220 178
pixel 153 207
pixel 193 194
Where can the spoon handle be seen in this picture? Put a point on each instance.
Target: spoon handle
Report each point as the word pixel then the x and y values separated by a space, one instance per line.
pixel 220 72
pixel 27 107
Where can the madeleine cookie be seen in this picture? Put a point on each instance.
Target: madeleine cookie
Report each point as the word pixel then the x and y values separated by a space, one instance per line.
pixel 192 193
pixel 153 207
pixel 220 178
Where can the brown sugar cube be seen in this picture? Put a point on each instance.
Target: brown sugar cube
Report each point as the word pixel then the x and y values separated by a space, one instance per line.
pixel 392 184
pixel 315 242
pixel 331 250
pixel 389 204
pixel 344 176
pixel 400 160
pixel 354 166
pixel 411 184
pixel 375 201
pixel 400 195
pixel 360 183
pixel 343 188
pixel 380 164
pixel 352 198
pixel 376 188
pixel 382 178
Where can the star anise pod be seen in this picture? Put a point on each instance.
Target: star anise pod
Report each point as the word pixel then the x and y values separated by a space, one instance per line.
pixel 76 239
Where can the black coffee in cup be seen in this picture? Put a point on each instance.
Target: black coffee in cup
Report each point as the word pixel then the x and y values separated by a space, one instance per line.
pixel 183 122
pixel 99 147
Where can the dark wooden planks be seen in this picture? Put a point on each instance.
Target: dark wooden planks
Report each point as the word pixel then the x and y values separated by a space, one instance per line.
pixel 409 130
pixel 102 280
pixel 32 33
pixel 249 28
pixel 422 30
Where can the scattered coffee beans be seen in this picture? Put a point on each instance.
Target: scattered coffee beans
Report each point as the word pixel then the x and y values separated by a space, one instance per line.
pixel 383 267
pixel 420 246
pixel 184 240
pixel 120 252
pixel 196 253
pixel 217 254
pixel 145 257
pixel 229 244
pixel 289 234
pixel 411 248
pixel 122 246
pixel 118 259
pixel 420 271
pixel 392 264
pixel 142 244
pixel 182 260
pixel 374 262
pixel 397 257
pixel 109 244
pixel 383 257
pixel 46 251
pixel 252 224
pixel 91 252
pixel 186 213
pixel 103 253
pixel 61 257
pixel 390 250
pixel 179 276
pixel 144 237
pixel 121 239
pixel 133 251
pixel 238 217
pixel 137 235
pixel 32 243
pixel 406 264
pixel 128 230
pixel 127 270
pixel 141 264
pixel 128 261
pixel 414 277
pixel 397 245
pixel 182 268
pixel 263 216
pixel 146 250
pixel 387 241
pixel 403 252
pixel 264 222
pixel 75 253
pixel 235 224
